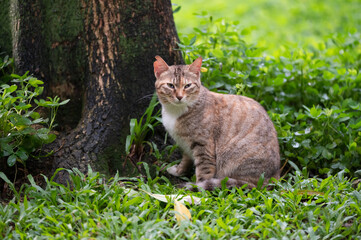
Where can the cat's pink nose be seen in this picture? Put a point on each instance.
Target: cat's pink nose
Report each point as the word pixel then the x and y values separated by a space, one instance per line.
pixel 179 97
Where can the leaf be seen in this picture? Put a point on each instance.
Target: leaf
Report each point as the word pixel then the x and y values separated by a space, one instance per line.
pixel 11 160
pixel 11 88
pixel 294 166
pixel 224 183
pixel 260 182
pixel 222 224
pixel 19 120
pixel 23 155
pixel 132 193
pixel 35 116
pixel 6 148
pixel 179 198
pixel 326 154
pixel 35 82
pixel 193 40
pixel 23 106
pixel 177 9
pixel 315 112
pixel 50 138
pixel 181 212
pixel 132 124
pixel 128 143
pixel 352 146
pixel 11 185
pixel 64 102
pixel 356 126
pixel 331 145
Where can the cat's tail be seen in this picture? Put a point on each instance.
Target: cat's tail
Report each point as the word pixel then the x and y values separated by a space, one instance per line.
pixel 211 184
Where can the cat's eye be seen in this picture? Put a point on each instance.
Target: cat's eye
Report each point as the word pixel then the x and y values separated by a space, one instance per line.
pixel 187 86
pixel 170 85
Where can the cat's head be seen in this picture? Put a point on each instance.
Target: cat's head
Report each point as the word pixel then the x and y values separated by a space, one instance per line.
pixel 177 85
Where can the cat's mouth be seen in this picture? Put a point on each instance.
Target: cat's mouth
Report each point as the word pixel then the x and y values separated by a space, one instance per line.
pixel 179 102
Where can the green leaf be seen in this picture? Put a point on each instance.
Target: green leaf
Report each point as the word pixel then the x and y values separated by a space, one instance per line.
pixel 132 124
pixel 193 40
pixel 64 102
pixel 326 154
pixel 177 9
pixel 353 146
pixel 315 112
pixel 11 160
pixel 128 143
pixel 5 147
pixel 328 75
pixel 260 182
pixel 222 224
pixel 224 183
pixel 50 138
pixel 35 82
pixel 23 155
pixel 331 145
pixel 34 115
pixel 11 88
pixel 19 120
pixel 356 126
pixel 23 106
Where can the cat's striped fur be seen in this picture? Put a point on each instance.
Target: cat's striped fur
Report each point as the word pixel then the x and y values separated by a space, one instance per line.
pixel 222 135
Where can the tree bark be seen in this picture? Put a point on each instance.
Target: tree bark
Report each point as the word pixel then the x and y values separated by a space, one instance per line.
pixel 47 42
pixel 100 54
pixel 5 29
pixel 121 39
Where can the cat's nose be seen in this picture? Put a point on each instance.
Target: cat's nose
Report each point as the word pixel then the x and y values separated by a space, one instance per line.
pixel 179 97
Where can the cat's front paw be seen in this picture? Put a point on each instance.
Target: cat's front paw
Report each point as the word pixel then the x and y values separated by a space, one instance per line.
pixel 173 170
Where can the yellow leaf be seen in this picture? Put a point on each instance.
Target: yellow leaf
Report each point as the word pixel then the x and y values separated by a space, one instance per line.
pixel 181 212
pixel 203 69
pixel 180 198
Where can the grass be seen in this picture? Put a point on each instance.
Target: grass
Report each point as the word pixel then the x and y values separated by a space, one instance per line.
pixel 301 60
pixel 297 208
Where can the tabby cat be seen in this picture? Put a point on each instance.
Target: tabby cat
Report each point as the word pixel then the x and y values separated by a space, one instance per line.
pixel 221 135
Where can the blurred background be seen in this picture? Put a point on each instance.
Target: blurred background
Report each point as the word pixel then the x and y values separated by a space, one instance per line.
pixel 274 24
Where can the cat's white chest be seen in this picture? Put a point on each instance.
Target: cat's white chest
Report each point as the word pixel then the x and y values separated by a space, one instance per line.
pixel 170 116
pixel 169 122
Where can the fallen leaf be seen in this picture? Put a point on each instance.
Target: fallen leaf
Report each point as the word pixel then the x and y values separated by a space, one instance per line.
pixel 181 212
pixel 181 198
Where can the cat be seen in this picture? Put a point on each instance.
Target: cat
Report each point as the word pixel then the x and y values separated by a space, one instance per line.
pixel 222 135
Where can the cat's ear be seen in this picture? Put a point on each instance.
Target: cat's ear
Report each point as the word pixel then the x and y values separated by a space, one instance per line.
pixel 160 66
pixel 195 67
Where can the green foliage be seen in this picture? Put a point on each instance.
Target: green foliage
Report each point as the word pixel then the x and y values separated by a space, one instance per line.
pixel 297 208
pixel 139 130
pixel 275 24
pixel 312 94
pixel 22 129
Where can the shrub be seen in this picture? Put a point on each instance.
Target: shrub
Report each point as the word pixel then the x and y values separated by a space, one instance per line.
pixel 22 129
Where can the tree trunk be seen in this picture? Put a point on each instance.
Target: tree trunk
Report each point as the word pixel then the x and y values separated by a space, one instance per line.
pixel 5 29
pixel 47 42
pixel 111 51
pixel 121 39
